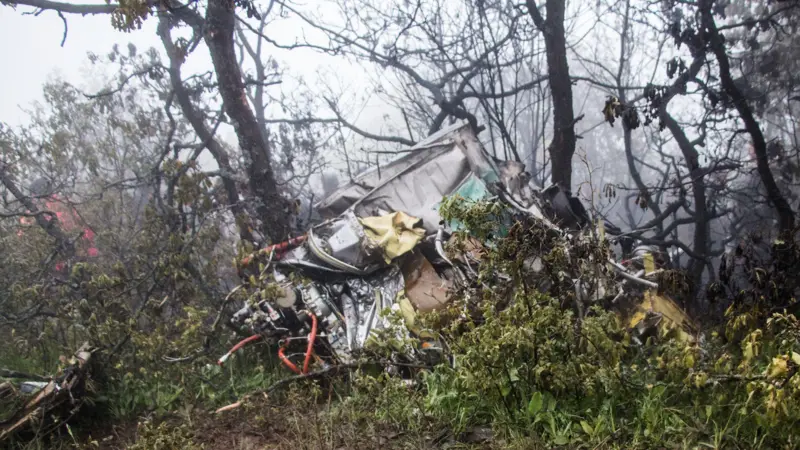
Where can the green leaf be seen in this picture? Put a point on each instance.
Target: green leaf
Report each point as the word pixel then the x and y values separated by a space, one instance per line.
pixel 586 428
pixel 535 405
pixel 748 351
pixel 688 360
pixel 561 440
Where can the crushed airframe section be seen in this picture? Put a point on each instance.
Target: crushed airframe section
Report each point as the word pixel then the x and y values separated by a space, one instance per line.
pixel 382 247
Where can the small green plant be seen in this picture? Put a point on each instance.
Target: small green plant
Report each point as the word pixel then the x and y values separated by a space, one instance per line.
pixel 165 437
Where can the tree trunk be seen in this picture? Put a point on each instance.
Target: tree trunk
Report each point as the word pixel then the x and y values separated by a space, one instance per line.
pixel 717 46
pixel 697 175
pixel 271 206
pixel 197 122
pixel 562 147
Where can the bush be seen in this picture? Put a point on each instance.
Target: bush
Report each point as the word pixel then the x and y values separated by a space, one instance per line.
pixel 536 376
pixel 539 373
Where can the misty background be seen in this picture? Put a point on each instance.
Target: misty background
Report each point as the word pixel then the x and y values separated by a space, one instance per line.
pixel 123 112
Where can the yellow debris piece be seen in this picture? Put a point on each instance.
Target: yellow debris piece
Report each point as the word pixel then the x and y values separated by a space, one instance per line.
pixel 672 317
pixel 409 314
pixel 649 263
pixel 396 233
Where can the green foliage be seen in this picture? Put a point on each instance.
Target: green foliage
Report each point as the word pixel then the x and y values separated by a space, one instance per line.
pixel 165 388
pixel 148 299
pixel 531 375
pixel 165 437
pixel 525 353
pixel 540 375
pixel 479 218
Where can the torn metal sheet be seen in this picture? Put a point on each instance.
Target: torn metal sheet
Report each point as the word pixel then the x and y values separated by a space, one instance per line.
pixel 31 387
pixel 517 182
pixel 373 295
pixel 347 195
pixel 343 244
pixel 416 183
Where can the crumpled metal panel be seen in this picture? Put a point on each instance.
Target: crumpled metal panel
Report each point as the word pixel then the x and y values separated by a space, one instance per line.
pixel 345 240
pixel 389 281
pixel 416 183
pixel 345 196
pixel 419 189
pixel 362 245
pixel 372 294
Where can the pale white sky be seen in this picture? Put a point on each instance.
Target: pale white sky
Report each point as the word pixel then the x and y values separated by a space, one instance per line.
pixel 31 53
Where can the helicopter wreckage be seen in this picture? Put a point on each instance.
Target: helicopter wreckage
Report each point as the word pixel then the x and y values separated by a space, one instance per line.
pixel 382 248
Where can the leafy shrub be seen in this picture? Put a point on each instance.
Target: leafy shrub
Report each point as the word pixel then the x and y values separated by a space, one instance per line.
pixel 529 366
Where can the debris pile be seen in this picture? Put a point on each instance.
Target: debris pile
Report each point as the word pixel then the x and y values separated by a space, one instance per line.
pixel 385 246
pixel 45 405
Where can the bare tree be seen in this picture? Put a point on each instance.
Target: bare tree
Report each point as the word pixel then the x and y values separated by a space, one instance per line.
pixel 562 147
pixel 447 55
pixel 217 30
pixel 716 44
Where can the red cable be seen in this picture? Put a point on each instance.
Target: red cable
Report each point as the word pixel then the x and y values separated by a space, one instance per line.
pixel 286 361
pixel 244 342
pixel 279 249
pixel 236 347
pixel 311 338
pixel 282 247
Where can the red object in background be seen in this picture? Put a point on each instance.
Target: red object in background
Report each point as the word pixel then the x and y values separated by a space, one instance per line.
pixel 69 221
pixel 283 247
pixel 278 249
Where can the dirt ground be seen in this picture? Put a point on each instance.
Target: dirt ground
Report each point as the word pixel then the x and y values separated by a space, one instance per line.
pixel 259 425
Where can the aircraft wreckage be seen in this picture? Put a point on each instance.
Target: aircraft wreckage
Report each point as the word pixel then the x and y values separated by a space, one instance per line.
pixel 383 247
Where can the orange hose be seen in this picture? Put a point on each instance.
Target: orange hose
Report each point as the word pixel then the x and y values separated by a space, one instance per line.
pixel 286 361
pixel 236 347
pixel 244 342
pixel 311 338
